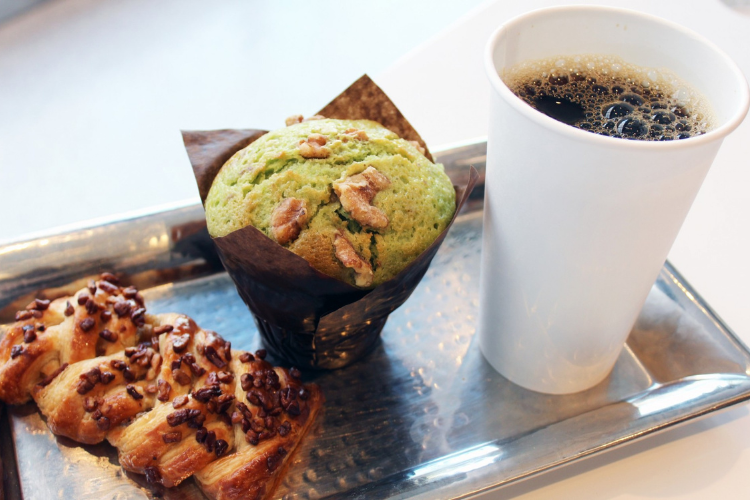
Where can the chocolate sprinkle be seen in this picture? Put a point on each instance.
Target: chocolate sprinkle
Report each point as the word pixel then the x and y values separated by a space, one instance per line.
pixel 246 381
pixel 214 357
pixel 109 277
pixel 210 441
pixel 87 324
pixel 201 434
pixel 138 316
pixel 181 377
pixel 220 447
pixel 197 421
pixel 29 335
pixel 128 374
pixel 180 343
pixel 204 394
pixel 16 351
pixel 122 308
pixel 69 309
pixel 163 390
pixel 191 363
pixel 107 377
pixel 108 335
pixel 91 306
pixel 133 392
pixel 285 428
pixel 172 437
pixel 223 402
pixel 23 315
pixel 181 416
pixel 252 437
pixel 118 364
pixel 293 409
pixel 158 330
pixel 108 287
pixel 212 379
pixel 88 380
pixel 180 401
pixel 273 462
pixel 40 304
pixel 84 387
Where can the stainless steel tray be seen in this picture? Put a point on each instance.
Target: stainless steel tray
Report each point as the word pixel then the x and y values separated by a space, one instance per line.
pixel 424 415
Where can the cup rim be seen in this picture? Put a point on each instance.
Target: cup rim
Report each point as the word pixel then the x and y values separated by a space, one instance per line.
pixel 614 142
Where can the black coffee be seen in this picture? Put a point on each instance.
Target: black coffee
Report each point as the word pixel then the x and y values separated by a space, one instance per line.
pixel 604 95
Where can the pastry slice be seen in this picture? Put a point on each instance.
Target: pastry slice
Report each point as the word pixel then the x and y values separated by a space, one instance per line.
pixel 90 397
pixel 28 349
pixel 190 425
pixel 101 319
pixel 273 412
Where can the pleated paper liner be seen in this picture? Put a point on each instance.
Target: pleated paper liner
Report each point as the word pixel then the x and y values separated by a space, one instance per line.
pixel 304 316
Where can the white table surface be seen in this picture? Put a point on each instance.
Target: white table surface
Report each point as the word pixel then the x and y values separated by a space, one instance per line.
pixel 93 94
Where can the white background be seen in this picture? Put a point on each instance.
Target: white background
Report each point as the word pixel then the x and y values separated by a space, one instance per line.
pixel 93 94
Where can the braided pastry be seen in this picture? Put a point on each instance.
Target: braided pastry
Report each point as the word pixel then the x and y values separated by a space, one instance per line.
pixel 174 399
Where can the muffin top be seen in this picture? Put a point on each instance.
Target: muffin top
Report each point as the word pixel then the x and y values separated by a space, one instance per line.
pixel 349 196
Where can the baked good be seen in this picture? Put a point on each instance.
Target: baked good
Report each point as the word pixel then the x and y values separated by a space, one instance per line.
pixel 255 467
pixel 349 196
pixel 174 399
pixel 101 319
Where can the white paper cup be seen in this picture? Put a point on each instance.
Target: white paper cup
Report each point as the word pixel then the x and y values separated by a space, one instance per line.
pixel 578 225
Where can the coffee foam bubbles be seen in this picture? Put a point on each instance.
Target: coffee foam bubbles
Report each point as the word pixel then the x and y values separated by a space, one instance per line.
pixel 604 94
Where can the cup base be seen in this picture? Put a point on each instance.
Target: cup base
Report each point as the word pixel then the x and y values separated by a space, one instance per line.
pixel 531 382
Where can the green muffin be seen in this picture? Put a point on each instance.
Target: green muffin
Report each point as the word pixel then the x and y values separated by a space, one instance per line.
pixel 349 196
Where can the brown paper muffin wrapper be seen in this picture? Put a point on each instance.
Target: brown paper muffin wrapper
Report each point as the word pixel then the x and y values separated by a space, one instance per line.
pixel 304 316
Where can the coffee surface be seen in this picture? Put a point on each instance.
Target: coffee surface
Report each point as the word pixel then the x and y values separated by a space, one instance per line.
pixel 605 95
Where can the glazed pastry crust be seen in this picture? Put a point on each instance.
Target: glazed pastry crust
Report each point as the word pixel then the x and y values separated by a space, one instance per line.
pixel 246 474
pixel 65 332
pixel 141 445
pixel 65 408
